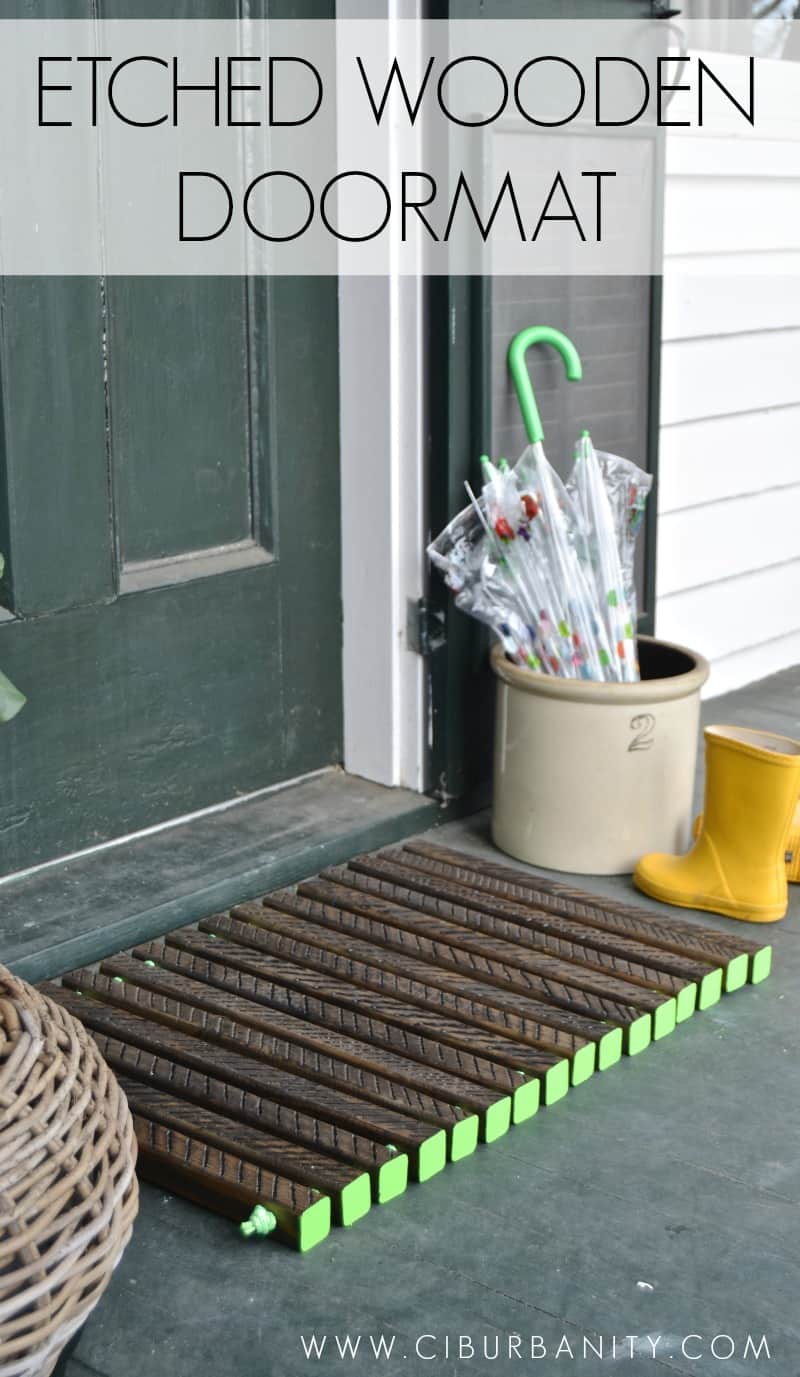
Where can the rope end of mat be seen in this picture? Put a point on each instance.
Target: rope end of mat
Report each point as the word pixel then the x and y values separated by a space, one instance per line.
pixel 261 1222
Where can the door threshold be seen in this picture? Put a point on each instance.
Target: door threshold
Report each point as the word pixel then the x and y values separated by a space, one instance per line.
pixel 89 905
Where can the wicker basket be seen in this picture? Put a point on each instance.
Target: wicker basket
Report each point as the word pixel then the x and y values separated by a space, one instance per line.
pixel 68 1193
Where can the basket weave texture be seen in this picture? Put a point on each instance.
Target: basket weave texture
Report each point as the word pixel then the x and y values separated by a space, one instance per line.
pixel 68 1192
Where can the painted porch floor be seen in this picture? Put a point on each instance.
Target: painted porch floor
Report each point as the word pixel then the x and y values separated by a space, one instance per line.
pixel 663 1198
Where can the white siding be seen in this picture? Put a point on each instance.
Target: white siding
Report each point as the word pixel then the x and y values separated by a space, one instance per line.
pixel 729 491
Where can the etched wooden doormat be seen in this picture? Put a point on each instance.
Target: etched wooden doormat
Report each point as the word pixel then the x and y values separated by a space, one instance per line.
pixel 296 1060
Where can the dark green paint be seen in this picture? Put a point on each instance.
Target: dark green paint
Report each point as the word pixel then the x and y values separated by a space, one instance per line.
pixel 185 454
pixel 157 691
pixel 83 909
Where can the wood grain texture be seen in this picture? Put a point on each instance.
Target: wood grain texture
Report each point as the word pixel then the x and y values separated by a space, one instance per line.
pixel 415 1056
pixel 401 954
pixel 298 1092
pixel 286 1160
pixel 326 971
pixel 365 963
pixel 222 1181
pixel 279 1121
pixel 207 1123
pixel 428 878
pixel 540 942
pixel 668 934
pixel 612 994
pixel 219 1028
pixel 337 1033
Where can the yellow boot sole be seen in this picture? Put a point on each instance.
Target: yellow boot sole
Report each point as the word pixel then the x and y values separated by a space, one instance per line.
pixel 729 909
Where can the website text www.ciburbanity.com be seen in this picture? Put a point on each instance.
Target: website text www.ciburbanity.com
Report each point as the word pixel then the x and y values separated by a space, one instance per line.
pixel 530 1348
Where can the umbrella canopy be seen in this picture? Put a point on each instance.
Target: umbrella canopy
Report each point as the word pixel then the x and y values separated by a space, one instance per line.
pixel 550 566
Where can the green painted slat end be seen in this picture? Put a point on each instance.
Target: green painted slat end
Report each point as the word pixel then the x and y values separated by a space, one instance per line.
pixel 710 989
pixel 556 1082
pixel 432 1156
pixel 497 1120
pixel 609 1048
pixel 314 1224
pixel 584 1062
pixel 356 1199
pixel 760 967
pixel 526 1101
pixel 392 1179
pixel 664 1019
pixel 737 969
pixel 686 1002
pixel 464 1138
pixel 636 1036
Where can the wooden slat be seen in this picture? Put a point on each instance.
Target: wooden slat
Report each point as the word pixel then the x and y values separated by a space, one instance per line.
pixel 428 1063
pixel 320 1140
pixel 369 964
pixel 335 886
pixel 348 1111
pixel 225 1182
pixel 348 1189
pixel 580 954
pixel 424 875
pixel 396 950
pixel 276 1051
pixel 670 934
pixel 326 1039
pixel 184 984
pixel 303 966
pixel 421 876
pixel 553 998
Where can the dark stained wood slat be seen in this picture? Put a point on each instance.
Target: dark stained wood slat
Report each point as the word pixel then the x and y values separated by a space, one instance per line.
pixel 305 992
pixel 498 961
pixel 365 963
pixel 460 1126
pixel 670 934
pixel 430 880
pixel 315 1140
pixel 332 974
pixel 556 1003
pixel 324 1039
pixel 540 942
pixel 225 1182
pixel 374 1044
pixel 493 946
pixel 397 951
pixel 426 1147
pixel 348 1189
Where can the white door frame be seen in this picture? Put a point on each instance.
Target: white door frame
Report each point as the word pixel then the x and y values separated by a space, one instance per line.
pixel 383 510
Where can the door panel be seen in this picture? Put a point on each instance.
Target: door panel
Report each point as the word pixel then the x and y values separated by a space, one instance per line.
pixel 183 444
pixel 156 690
pixel 169 509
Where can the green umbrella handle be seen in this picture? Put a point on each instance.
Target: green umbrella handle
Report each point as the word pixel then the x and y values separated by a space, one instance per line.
pixel 520 344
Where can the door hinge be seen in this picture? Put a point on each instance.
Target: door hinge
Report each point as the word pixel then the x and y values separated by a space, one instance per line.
pixel 426 629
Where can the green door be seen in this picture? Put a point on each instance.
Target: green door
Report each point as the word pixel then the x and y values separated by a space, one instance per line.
pixel 169 511
pixel 169 505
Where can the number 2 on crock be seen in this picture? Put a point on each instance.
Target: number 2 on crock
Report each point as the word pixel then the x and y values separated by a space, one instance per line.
pixel 644 725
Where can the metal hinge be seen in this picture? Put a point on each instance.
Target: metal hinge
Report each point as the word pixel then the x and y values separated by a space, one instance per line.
pixel 426 629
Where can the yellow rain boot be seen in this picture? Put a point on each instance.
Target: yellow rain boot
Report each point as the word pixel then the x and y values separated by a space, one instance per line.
pixel 737 866
pixel 792 845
